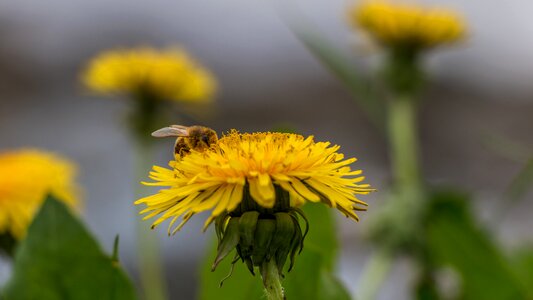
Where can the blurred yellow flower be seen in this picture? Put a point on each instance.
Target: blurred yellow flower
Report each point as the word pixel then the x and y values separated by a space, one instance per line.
pixel 407 25
pixel 258 165
pixel 169 74
pixel 26 177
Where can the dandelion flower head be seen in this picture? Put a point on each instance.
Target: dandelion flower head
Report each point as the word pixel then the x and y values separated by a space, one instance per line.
pixel 259 165
pixel 407 25
pixel 26 178
pixel 169 74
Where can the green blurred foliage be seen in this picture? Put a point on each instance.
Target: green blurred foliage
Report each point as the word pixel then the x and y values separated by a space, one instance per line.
pixel 442 231
pixel 59 259
pixel 310 279
pixel 522 264
pixel 240 286
pixel 455 239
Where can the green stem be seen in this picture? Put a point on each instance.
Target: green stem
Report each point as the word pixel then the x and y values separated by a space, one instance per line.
pixel 407 184
pixel 375 273
pixel 272 281
pixel 150 267
pixel 404 77
pixel 403 141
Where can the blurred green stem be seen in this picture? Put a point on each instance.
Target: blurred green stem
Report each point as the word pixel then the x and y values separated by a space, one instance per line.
pixel 374 274
pixel 403 141
pixel 521 183
pixel 272 281
pixel 150 267
pixel 408 192
pixel 144 117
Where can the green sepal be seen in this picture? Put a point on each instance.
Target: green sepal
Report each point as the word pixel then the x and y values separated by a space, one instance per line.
pixel 247 226
pixel 219 226
pixel 247 260
pixel 263 268
pixel 297 242
pixel 283 236
pixel 233 262
pixel 249 264
pixel 263 236
pixel 247 203
pixel 281 243
pixel 302 214
pixel 296 221
pixel 281 257
pixel 229 241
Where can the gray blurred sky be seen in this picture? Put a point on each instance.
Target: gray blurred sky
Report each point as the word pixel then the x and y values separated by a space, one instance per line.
pixel 498 55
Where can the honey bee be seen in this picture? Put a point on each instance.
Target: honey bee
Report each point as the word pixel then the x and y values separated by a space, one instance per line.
pixel 196 137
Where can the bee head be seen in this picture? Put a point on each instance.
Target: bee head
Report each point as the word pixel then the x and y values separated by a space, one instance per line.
pixel 205 139
pixel 208 138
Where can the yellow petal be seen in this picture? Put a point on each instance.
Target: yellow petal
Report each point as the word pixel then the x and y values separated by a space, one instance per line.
pixel 304 191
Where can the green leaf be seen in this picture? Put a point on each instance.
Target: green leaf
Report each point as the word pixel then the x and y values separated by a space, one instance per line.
pixel 240 286
pixel 311 278
pixel 345 71
pixel 522 263
pixel 60 260
pixel 322 236
pixel 454 239
pixel 331 288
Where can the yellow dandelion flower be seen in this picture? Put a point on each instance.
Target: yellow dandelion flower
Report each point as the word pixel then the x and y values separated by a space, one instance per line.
pixel 254 184
pixel 218 179
pixel 169 74
pixel 407 25
pixel 26 177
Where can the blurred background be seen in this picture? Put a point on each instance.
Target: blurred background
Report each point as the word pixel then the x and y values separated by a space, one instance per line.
pixel 476 118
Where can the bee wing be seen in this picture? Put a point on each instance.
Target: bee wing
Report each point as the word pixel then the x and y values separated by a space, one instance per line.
pixel 172 130
pixel 180 127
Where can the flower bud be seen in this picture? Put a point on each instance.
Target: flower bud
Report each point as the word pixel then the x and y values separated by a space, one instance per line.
pixel 263 235
pixel 260 235
pixel 282 238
